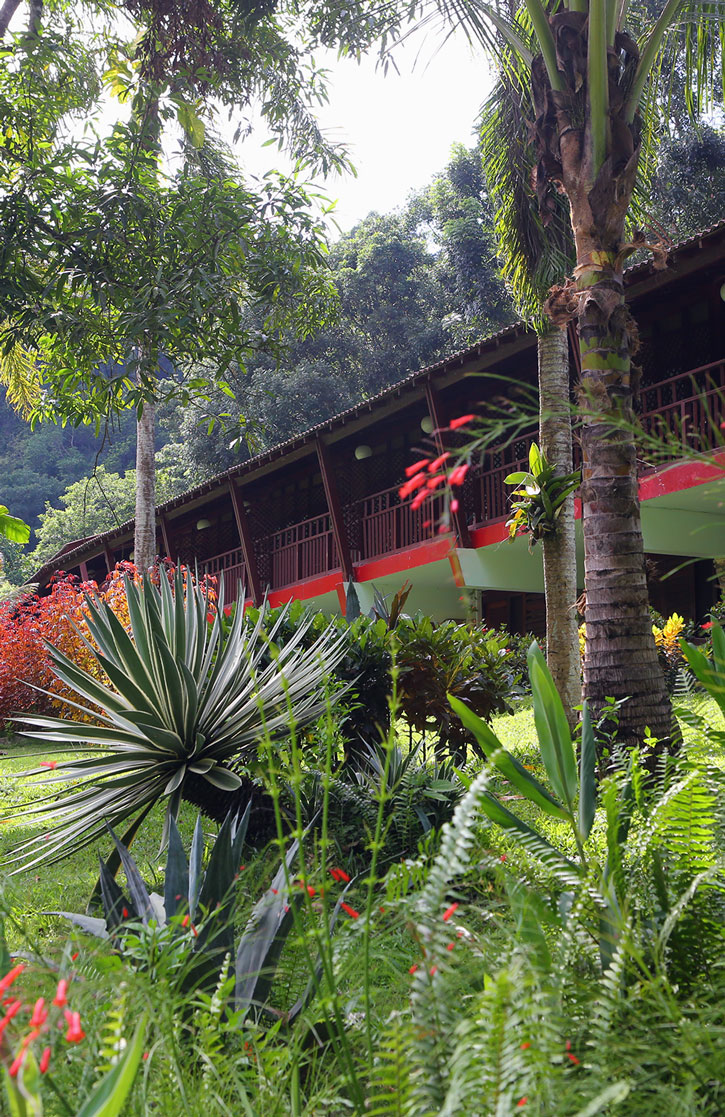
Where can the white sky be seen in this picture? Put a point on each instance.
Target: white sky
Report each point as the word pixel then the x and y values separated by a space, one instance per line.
pixel 398 127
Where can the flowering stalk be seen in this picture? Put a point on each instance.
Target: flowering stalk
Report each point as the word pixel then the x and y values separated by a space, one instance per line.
pixel 427 475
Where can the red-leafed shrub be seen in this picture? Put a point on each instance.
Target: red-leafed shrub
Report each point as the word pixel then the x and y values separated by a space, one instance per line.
pixel 59 619
pixel 27 624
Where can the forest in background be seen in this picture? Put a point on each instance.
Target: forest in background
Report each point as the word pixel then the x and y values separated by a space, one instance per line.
pixel 414 285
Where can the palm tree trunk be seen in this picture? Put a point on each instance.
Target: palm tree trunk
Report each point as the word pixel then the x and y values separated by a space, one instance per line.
pixel 144 542
pixel 559 548
pixel 621 658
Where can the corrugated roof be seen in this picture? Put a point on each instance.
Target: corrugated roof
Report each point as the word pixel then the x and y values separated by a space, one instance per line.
pixel 461 357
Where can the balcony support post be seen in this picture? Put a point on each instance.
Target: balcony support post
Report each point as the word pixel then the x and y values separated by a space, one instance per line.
pixel 335 508
pixel 108 554
pixel 165 535
pixel 247 542
pixel 435 410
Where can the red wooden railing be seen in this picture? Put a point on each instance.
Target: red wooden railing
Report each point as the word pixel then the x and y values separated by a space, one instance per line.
pixel 684 411
pixel 231 564
pixel 688 406
pixel 303 550
pixel 389 524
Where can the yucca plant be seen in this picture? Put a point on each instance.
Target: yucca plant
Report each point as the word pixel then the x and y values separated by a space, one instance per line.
pixel 186 704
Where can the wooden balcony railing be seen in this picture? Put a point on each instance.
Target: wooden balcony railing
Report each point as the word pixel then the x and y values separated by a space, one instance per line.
pixel 688 407
pixel 389 524
pixel 684 411
pixel 231 564
pixel 304 550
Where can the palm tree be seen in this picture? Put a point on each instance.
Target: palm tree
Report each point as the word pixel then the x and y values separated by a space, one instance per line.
pixel 590 67
pixel 534 258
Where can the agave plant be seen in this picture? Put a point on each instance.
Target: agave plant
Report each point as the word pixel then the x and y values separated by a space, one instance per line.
pixel 194 919
pixel 187 702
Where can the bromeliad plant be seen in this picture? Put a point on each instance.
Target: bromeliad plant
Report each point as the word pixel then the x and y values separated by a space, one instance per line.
pixel 538 502
pixel 185 707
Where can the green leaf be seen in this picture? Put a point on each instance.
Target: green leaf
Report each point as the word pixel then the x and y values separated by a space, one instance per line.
pixel 13 528
pixel 557 750
pixel 613 1094
pixel 193 126
pixel 109 1098
pixel 176 881
pixel 507 764
pixel 531 840
pixel 588 776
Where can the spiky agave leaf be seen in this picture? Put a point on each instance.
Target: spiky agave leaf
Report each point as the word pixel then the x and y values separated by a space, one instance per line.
pixel 186 699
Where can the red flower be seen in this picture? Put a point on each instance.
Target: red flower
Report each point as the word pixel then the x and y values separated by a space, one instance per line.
pixel 44 1060
pixel 525 1046
pixel 410 470
pixel 10 976
pixel 75 1033
pixel 521 1103
pixel 17 1064
pixel 458 475
pixel 434 482
pixel 454 506
pixel 350 911
pixel 451 946
pixel 461 421
pixel 60 999
pixel 449 912
pixel 124 913
pixel 40 1013
pixel 419 499
pixel 572 1058
pixel 185 921
pixel 707 624
pixel 49 764
pixel 435 465
pixel 227 610
pixel 414 968
pixel 410 486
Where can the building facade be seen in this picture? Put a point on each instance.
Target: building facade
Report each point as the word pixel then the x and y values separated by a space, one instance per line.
pixel 303 519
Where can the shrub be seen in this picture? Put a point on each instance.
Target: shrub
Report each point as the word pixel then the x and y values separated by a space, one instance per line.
pixel 435 660
pixel 27 625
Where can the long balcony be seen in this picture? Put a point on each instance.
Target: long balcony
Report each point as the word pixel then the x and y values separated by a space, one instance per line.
pixel 687 409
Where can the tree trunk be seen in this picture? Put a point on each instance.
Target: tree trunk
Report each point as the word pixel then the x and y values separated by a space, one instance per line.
pixel 559 548
pixel 621 657
pixel 144 543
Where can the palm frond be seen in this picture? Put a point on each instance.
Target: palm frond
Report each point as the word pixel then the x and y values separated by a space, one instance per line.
pixel 533 256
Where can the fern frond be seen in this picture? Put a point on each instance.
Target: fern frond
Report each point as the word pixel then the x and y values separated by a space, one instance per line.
pixel 112 1041
pixel 390 1091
